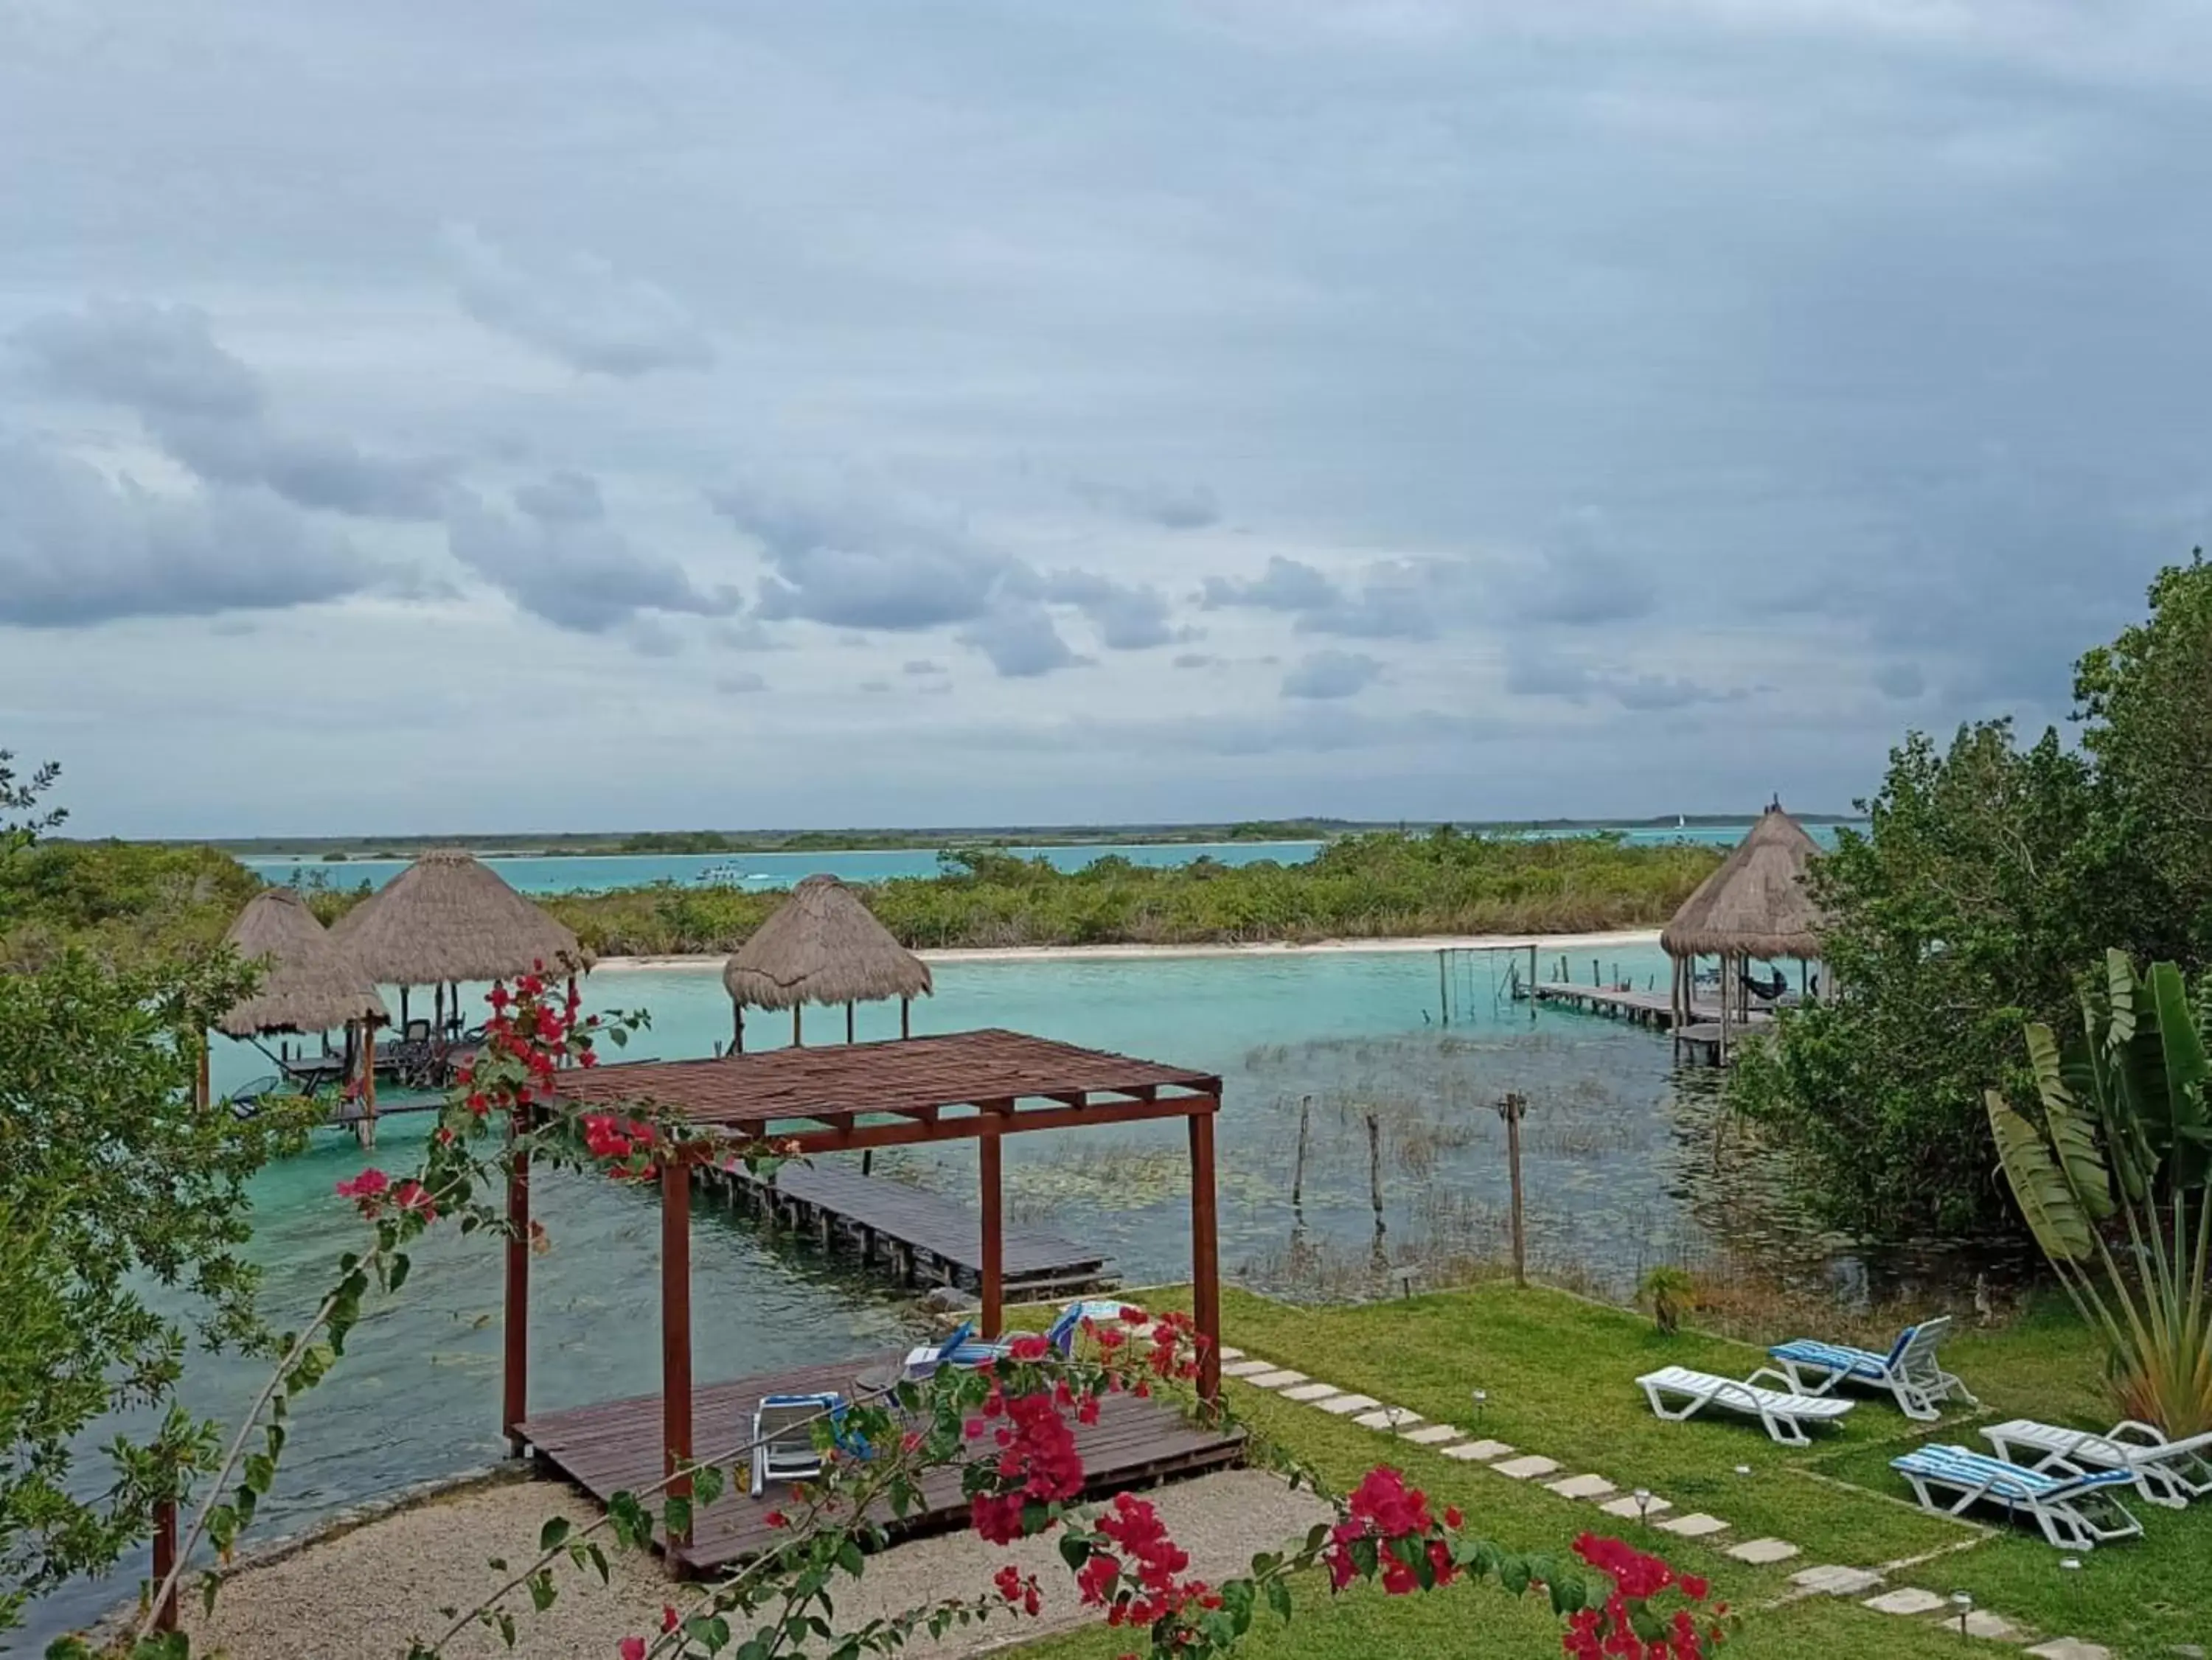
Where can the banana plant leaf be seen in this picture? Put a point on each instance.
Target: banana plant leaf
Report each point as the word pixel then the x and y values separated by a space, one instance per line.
pixel 2078 1159
pixel 2187 1127
pixel 2061 1228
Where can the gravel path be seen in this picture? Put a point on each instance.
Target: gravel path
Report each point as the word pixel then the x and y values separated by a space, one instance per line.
pixel 362 1594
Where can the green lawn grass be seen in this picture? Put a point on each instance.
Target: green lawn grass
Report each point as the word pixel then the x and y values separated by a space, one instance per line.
pixel 1558 1373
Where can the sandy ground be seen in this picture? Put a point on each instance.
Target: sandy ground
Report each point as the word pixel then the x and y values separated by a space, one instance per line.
pixel 362 1594
pixel 1544 942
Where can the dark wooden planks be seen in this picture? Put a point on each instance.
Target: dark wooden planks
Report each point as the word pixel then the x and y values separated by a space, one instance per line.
pixel 615 1446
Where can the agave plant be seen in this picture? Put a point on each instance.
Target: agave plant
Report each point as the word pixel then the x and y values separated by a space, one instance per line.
pixel 2113 1183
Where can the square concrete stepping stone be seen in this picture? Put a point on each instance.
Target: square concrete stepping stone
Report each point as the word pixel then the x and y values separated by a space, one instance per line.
pixel 1696 1525
pixel 1281 1378
pixel 1228 1354
pixel 1429 1435
pixel 1907 1600
pixel 1761 1552
pixel 2070 1648
pixel 1980 1622
pixel 1582 1486
pixel 1310 1392
pixel 1247 1368
pixel 1835 1581
pixel 1342 1405
pixel 1478 1452
pixel 1388 1418
pixel 1528 1468
pixel 1628 1510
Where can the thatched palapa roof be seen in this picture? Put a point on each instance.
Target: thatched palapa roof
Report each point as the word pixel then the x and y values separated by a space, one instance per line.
pixel 447 917
pixel 823 945
pixel 1757 903
pixel 309 983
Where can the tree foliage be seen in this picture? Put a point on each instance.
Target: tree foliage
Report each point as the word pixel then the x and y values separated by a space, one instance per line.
pixel 1988 874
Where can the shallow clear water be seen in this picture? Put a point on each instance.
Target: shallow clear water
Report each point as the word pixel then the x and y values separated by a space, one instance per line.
pixel 1616 1159
pixel 764 872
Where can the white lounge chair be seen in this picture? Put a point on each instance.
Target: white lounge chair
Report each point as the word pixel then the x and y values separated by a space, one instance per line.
pixel 784 1449
pixel 1909 1371
pixel 2076 1509
pixel 2169 1473
pixel 1783 1416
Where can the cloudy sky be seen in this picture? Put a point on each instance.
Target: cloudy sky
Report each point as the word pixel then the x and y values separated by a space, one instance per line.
pixel 566 416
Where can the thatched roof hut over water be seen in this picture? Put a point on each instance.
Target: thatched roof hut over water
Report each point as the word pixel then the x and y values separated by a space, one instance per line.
pixel 1757 903
pixel 310 983
pixel 823 945
pixel 448 918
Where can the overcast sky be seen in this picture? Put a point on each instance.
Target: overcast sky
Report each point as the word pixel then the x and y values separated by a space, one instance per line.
pixel 570 416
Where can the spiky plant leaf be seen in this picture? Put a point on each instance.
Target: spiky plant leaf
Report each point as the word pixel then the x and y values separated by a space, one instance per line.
pixel 2189 1135
pixel 2079 1160
pixel 2060 1225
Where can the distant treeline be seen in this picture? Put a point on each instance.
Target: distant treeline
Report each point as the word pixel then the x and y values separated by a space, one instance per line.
pixel 128 900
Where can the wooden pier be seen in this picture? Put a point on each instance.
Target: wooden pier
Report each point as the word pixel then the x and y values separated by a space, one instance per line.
pixel 1698 1039
pixel 918 1237
pixel 617 1445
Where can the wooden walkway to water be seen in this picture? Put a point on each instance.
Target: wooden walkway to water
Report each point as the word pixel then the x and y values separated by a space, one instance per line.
pixel 616 1445
pixel 918 1237
pixel 1700 1037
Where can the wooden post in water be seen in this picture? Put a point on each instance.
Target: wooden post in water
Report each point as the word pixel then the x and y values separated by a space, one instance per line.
pixel 1444 990
pixel 797 1009
pixel 737 1029
pixel 1375 1168
pixel 1298 1169
pixel 1510 1109
pixel 1532 971
pixel 848 1021
pixel 365 1131
pixel 905 1005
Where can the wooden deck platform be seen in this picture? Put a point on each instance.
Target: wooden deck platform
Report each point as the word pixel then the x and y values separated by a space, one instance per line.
pixel 616 1445
pixel 1644 1008
pixel 919 1237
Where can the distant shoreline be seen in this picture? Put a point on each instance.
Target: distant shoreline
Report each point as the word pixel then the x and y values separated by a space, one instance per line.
pixel 1391 946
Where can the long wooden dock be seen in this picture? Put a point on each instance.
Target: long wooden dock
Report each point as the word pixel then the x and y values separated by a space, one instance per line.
pixel 919 1237
pixel 1644 1008
pixel 615 1446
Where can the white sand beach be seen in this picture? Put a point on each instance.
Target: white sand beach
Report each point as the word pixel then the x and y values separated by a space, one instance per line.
pixel 1542 943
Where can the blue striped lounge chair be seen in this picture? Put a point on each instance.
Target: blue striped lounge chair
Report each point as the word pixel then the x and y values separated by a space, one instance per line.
pixel 1783 1416
pixel 2168 1473
pixel 784 1448
pixel 1908 1372
pixel 2076 1509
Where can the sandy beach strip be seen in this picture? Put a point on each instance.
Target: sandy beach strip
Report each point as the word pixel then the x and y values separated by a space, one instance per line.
pixel 1618 939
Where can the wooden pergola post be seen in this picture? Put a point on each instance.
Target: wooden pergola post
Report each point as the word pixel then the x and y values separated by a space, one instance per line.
pixel 675 1331
pixel 989 1159
pixel 1205 1253
pixel 737 1029
pixel 164 1560
pixel 365 1131
pixel 515 1395
pixel 797 1039
pixel 904 1030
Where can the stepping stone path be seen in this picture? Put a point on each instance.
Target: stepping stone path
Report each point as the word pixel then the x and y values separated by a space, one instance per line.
pixel 1696 1525
pixel 1429 1435
pixel 1628 1510
pixel 1278 1379
pixel 1228 1354
pixel 1908 1600
pixel 1582 1486
pixel 1386 1418
pixel 1247 1368
pixel 1761 1552
pixel 2070 1648
pixel 1343 1405
pixel 1311 1392
pixel 1478 1452
pixel 1527 1469
pixel 1835 1581
pixel 1980 1622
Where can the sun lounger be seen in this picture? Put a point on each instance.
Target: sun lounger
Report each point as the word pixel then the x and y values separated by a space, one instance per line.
pixel 2169 1473
pixel 2076 1509
pixel 1783 1416
pixel 1909 1371
pixel 783 1437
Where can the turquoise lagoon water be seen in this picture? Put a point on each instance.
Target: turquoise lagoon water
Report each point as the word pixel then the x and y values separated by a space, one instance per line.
pixel 595 873
pixel 1618 1169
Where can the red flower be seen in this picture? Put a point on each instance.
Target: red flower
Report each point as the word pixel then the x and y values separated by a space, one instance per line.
pixel 776 1518
pixel 633 1648
pixel 412 1195
pixel 667 1617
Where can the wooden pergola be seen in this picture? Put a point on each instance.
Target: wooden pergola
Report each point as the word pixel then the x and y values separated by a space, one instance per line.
pixel 969 1086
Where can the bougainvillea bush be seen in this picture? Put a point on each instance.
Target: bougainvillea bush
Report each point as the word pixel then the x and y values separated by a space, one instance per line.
pixel 1009 1430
